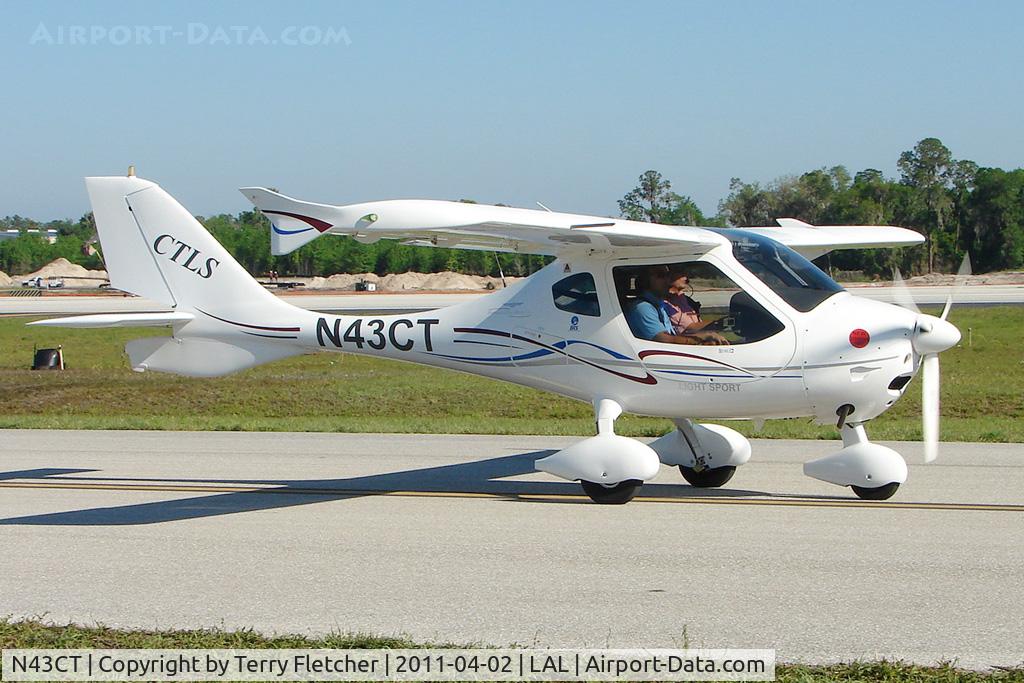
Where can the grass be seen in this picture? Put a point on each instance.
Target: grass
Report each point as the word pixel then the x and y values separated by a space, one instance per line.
pixel 982 393
pixel 32 633
pixel 36 634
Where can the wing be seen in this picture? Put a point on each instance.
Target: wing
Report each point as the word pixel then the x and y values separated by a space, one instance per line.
pixel 814 241
pixel 466 226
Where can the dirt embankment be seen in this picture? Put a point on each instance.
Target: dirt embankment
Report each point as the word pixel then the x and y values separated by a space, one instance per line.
pixel 948 279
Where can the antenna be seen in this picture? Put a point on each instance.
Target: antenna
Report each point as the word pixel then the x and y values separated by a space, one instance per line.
pixel 544 207
pixel 131 171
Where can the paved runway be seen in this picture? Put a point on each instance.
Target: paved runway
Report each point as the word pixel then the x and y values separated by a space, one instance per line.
pixel 975 295
pixel 83 305
pixel 982 295
pixel 455 538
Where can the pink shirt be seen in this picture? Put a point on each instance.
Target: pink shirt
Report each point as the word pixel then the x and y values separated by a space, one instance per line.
pixel 681 314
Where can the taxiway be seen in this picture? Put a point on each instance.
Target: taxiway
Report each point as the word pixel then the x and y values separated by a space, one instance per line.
pixel 457 539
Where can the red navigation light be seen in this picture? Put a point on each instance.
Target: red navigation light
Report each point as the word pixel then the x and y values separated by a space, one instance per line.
pixel 859 338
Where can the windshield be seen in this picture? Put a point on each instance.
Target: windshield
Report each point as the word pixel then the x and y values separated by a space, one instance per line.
pixel 798 281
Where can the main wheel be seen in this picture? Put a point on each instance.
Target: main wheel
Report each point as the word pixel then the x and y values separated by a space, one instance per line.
pixel 878 493
pixel 616 494
pixel 708 478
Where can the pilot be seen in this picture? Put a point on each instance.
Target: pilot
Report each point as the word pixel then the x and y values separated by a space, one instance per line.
pixel 649 317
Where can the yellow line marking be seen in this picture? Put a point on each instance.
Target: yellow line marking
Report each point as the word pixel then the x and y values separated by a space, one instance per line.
pixel 693 500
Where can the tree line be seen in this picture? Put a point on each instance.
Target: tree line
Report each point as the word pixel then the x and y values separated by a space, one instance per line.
pixel 959 206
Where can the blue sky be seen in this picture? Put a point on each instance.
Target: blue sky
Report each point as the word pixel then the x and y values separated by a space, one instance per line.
pixel 560 102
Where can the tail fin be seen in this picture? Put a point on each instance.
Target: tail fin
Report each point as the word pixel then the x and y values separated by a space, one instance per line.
pixel 153 247
pixel 293 222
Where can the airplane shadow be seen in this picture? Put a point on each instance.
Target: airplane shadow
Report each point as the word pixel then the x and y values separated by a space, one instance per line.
pixel 40 473
pixel 478 477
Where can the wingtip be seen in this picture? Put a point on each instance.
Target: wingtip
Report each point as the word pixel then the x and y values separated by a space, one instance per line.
pixel 792 223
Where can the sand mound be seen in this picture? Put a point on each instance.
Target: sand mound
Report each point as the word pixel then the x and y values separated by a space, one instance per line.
pixel 60 268
pixel 399 282
pixel 348 280
pixel 73 274
pixel 5 279
pixel 451 281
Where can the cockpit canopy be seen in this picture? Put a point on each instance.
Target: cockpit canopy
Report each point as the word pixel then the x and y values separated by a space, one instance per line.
pixel 800 283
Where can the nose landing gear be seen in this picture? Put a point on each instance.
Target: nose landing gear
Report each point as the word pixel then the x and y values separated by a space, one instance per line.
pixel 878 493
pixel 614 494
pixel 873 471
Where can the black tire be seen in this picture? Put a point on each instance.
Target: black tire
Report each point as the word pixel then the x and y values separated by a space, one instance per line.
pixel 877 493
pixel 619 494
pixel 708 478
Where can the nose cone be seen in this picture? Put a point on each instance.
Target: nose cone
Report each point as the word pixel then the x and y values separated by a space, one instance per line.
pixel 934 335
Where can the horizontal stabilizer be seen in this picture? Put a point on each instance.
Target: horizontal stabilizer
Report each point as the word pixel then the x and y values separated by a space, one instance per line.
pixel 118 320
pixel 200 357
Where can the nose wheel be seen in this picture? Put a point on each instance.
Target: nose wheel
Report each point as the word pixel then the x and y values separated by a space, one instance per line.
pixel 878 493
pixel 612 494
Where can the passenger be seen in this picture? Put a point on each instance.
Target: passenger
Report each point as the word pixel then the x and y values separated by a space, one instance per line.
pixel 684 312
pixel 648 318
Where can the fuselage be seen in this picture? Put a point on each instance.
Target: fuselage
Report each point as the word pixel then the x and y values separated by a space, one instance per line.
pixel 540 332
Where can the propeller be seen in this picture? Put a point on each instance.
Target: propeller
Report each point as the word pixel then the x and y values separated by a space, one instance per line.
pixel 901 293
pixel 930 405
pixel 932 335
pixel 962 273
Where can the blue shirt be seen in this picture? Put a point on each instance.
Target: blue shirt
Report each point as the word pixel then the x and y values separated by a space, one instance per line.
pixel 647 317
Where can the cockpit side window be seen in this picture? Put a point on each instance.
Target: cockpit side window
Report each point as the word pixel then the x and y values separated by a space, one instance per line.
pixel 800 283
pixel 577 294
pixel 700 302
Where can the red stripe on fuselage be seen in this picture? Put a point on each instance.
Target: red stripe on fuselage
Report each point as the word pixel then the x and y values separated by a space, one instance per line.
pixel 322 226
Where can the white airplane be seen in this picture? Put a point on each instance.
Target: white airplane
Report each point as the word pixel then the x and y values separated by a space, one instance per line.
pixel 772 335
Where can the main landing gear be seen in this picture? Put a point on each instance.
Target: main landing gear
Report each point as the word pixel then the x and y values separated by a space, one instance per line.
pixel 610 468
pixel 707 478
pixel 707 454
